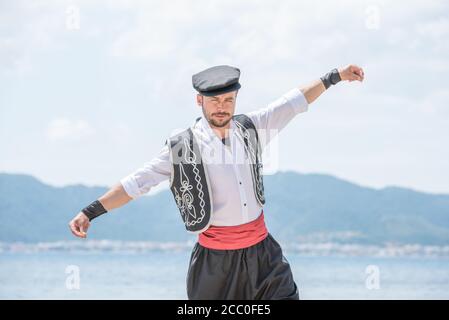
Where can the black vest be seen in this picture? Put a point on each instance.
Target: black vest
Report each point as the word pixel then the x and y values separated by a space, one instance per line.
pixel 189 181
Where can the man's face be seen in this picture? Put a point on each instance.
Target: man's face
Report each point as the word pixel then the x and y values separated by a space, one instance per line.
pixel 219 109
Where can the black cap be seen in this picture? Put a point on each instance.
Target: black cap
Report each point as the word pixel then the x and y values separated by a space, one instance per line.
pixel 217 80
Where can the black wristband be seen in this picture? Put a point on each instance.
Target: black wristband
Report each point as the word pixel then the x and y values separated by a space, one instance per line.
pixel 330 78
pixel 94 210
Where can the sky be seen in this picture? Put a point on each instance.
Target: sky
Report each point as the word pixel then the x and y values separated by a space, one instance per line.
pixel 90 90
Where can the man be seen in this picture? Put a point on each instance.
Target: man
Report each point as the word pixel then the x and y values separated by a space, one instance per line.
pixel 215 173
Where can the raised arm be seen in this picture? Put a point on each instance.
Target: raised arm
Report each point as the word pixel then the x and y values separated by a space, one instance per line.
pixel 270 120
pixel 314 89
pixel 130 187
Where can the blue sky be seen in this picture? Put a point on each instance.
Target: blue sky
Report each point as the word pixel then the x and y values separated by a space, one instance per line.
pixel 89 90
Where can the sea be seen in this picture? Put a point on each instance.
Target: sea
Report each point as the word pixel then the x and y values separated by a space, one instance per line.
pixel 161 274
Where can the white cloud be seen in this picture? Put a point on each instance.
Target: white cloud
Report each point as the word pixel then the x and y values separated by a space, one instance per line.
pixel 27 28
pixel 67 129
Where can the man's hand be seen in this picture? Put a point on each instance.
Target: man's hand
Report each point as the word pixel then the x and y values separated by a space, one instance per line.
pixel 79 225
pixel 314 89
pixel 114 198
pixel 351 72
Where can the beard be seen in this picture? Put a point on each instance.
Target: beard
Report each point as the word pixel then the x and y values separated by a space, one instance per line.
pixel 219 122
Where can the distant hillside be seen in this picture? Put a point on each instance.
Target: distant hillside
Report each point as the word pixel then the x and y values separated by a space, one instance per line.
pixel 300 207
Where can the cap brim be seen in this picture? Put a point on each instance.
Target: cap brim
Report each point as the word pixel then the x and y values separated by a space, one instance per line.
pixel 217 92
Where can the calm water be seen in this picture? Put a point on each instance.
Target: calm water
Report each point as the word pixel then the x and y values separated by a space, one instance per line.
pixel 161 275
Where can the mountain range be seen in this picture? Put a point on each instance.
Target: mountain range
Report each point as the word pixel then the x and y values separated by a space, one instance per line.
pixel 299 208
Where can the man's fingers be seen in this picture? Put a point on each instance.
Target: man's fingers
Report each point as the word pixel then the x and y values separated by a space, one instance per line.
pixel 355 73
pixel 352 73
pixel 75 233
pixel 76 230
pixel 356 76
pixel 83 230
pixel 359 73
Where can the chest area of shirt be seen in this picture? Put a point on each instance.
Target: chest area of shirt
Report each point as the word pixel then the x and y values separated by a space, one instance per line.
pixel 231 153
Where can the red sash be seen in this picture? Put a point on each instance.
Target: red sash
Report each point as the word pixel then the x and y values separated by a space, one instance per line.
pixel 234 237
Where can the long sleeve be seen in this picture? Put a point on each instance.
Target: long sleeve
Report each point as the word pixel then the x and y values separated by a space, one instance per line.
pixel 269 121
pixel 151 174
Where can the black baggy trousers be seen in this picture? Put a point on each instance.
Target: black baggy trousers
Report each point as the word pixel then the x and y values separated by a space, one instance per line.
pixel 259 272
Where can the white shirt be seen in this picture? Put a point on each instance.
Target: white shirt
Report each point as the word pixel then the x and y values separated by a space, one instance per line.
pixel 234 201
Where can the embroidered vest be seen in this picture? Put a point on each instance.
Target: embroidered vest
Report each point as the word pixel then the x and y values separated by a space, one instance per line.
pixel 189 181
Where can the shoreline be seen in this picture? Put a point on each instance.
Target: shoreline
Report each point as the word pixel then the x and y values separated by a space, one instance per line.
pixel 308 249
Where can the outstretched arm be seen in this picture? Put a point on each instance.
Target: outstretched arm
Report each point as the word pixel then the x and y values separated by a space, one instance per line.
pixel 314 89
pixel 130 187
pixel 113 198
pixel 270 120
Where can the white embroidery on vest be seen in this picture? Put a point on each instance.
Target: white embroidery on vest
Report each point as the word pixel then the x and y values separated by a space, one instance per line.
pixel 184 202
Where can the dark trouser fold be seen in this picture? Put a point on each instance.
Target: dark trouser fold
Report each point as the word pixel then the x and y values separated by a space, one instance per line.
pixel 259 272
